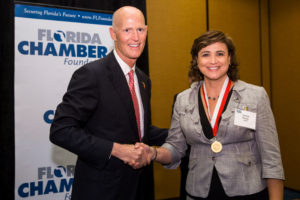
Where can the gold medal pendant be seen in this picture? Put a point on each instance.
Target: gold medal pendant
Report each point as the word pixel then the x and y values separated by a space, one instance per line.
pixel 216 147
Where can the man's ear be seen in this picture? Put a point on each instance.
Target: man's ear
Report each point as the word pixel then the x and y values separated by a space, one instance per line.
pixel 112 33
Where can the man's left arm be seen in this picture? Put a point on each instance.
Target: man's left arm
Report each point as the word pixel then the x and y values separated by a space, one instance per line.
pixel 157 136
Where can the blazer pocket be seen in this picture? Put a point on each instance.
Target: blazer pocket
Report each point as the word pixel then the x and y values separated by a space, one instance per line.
pixel 247 160
pixel 250 167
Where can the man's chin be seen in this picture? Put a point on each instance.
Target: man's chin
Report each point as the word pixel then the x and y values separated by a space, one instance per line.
pixel 135 56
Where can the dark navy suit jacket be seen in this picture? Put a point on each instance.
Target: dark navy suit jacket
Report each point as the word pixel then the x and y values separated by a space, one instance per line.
pixel 96 111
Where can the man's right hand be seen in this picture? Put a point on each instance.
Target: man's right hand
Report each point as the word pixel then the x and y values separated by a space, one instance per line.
pixel 136 156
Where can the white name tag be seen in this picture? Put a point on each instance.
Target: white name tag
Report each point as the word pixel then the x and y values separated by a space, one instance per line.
pixel 245 118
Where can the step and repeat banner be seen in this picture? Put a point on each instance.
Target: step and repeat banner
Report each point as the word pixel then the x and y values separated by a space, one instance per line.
pixel 50 44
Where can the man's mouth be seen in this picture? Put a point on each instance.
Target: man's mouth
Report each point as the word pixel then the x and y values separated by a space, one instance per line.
pixel 134 45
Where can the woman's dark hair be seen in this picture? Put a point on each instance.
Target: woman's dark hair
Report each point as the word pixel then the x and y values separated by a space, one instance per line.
pixel 208 38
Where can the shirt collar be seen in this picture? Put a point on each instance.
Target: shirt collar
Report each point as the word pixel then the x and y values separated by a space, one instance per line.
pixel 125 68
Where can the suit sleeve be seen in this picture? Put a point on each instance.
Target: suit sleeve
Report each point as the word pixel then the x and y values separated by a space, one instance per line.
pixel 157 136
pixel 68 129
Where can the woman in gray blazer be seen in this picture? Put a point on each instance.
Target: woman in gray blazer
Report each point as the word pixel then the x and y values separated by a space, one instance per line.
pixel 230 126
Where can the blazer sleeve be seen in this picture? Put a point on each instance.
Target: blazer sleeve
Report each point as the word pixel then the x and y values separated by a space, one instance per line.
pixel 69 130
pixel 267 139
pixel 176 142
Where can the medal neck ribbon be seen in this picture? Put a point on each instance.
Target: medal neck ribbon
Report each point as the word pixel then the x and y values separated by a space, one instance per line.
pixel 219 106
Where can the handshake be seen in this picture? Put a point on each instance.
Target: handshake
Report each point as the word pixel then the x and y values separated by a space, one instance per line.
pixel 137 156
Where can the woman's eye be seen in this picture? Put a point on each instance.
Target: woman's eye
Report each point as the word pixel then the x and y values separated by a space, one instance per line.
pixel 220 54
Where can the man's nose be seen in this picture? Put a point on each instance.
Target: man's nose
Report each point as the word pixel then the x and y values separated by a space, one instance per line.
pixel 135 35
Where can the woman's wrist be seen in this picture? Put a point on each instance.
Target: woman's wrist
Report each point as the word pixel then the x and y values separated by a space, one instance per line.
pixel 154 154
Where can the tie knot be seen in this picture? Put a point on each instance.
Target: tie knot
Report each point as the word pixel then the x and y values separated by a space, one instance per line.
pixel 130 74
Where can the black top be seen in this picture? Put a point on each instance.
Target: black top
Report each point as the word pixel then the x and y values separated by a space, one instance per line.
pixel 216 191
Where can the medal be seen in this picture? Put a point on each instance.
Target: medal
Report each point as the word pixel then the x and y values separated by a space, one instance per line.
pixel 216 147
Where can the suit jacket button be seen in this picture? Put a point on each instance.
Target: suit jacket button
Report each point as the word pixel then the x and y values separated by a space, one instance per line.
pixel 213 158
pixel 249 163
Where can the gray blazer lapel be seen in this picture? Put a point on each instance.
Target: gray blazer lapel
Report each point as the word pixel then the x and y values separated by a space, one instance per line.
pixel 233 103
pixel 193 111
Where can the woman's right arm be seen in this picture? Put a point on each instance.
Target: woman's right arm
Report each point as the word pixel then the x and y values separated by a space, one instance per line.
pixel 175 146
pixel 161 155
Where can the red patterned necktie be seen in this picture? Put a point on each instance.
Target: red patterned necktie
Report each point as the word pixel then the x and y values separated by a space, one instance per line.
pixel 135 101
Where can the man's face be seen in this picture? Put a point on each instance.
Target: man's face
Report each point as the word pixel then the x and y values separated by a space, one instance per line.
pixel 129 34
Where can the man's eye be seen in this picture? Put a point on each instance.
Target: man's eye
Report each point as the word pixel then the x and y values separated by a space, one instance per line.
pixel 127 30
pixel 140 29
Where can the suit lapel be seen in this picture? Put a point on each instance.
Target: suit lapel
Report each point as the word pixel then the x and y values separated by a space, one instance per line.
pixel 121 87
pixel 143 91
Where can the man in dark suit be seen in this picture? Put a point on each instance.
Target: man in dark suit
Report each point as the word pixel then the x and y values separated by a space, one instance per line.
pixel 105 111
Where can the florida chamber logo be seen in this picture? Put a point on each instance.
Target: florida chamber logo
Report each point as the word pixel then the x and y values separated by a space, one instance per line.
pixel 77 48
pixel 48 116
pixel 49 181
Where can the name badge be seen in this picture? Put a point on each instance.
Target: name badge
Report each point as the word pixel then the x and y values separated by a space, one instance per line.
pixel 245 118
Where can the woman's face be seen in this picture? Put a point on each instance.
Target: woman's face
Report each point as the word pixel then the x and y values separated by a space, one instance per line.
pixel 213 61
